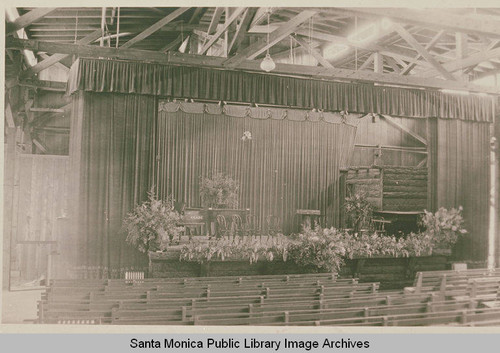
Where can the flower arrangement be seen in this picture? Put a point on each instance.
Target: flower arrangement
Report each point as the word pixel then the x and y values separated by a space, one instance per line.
pixel 153 224
pixel 443 227
pixel 220 191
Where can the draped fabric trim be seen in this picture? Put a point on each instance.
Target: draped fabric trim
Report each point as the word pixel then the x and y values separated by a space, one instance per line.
pixel 259 113
pixel 103 75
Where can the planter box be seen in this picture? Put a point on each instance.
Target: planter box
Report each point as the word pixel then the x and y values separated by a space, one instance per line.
pixel 392 273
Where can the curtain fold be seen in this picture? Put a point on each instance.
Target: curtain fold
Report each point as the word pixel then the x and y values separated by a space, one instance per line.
pixel 101 75
pixel 116 172
pixel 287 165
pixel 459 153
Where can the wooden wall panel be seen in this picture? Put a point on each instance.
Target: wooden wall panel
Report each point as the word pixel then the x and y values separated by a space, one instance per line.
pixel 382 133
pixel 41 202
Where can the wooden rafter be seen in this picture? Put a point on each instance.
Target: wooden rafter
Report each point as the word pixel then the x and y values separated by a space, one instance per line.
pixel 404 54
pixel 407 36
pixel 378 63
pixel 215 20
pixel 250 65
pixel 317 55
pixel 58 57
pixel 283 31
pixel 428 46
pixel 237 12
pixel 242 29
pixel 367 62
pixel 260 15
pixel 155 27
pixel 403 128
pixel 471 60
pixel 479 24
pixel 28 18
pixel 393 64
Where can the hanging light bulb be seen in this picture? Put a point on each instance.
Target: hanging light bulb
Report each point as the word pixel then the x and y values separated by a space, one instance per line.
pixel 268 63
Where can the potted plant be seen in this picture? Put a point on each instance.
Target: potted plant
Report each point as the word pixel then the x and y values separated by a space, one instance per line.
pixel 219 191
pixel 358 211
pixel 153 224
pixel 444 228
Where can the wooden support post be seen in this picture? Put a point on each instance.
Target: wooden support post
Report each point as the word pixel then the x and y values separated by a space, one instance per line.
pixel 493 209
pixel 378 63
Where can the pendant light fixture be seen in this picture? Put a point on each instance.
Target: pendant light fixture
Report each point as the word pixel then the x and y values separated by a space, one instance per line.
pixel 268 63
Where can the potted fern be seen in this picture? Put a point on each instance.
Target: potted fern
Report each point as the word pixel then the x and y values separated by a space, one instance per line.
pixel 153 224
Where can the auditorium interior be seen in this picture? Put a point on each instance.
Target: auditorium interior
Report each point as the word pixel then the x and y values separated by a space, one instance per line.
pixel 261 166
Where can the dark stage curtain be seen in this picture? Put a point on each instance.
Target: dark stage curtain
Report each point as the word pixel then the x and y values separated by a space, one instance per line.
pixel 115 173
pixel 201 83
pixel 459 152
pixel 287 165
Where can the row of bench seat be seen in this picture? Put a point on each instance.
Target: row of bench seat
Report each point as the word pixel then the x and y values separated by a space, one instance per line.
pixel 466 298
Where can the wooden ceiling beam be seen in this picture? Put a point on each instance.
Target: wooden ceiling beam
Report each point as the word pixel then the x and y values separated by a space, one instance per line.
pixel 475 24
pixel 237 12
pixel 259 47
pixel 155 27
pixel 28 18
pixel 242 30
pixel 421 50
pixel 53 59
pixel 215 20
pixel 260 15
pixel 317 55
pixel 428 46
pixel 250 65
pixel 393 64
pixel 367 62
pixel 471 60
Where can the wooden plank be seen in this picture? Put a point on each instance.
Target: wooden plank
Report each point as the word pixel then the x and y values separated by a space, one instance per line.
pixel 393 64
pixel 221 30
pixel 215 20
pixel 403 128
pixel 242 30
pixel 28 18
pixel 367 62
pixel 40 146
pixel 378 63
pixel 155 27
pixel 428 46
pixel 43 84
pixel 46 110
pixel 424 53
pixel 259 47
pixel 250 65
pixel 9 117
pixel 317 55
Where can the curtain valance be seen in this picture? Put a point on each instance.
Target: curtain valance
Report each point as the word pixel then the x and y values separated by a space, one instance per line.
pixel 102 75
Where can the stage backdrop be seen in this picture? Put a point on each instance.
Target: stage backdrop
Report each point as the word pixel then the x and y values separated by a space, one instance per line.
pixel 291 162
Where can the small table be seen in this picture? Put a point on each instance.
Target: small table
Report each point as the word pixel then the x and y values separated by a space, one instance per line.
pixel 311 216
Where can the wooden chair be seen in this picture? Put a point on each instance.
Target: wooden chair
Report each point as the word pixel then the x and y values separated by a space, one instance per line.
pixel 222 228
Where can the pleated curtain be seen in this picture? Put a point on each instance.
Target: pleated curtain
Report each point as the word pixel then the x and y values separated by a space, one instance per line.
pixel 459 170
pixel 116 161
pixel 287 165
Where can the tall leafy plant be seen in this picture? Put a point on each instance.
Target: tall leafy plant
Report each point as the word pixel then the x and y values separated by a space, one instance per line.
pixel 358 210
pixel 219 191
pixel 152 225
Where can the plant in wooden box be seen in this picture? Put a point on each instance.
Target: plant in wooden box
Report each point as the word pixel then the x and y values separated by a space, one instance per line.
pixel 219 191
pixel 444 227
pixel 153 224
pixel 358 211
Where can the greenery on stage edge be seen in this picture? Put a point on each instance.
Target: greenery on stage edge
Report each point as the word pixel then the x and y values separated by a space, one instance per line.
pixel 151 225
pixel 328 248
